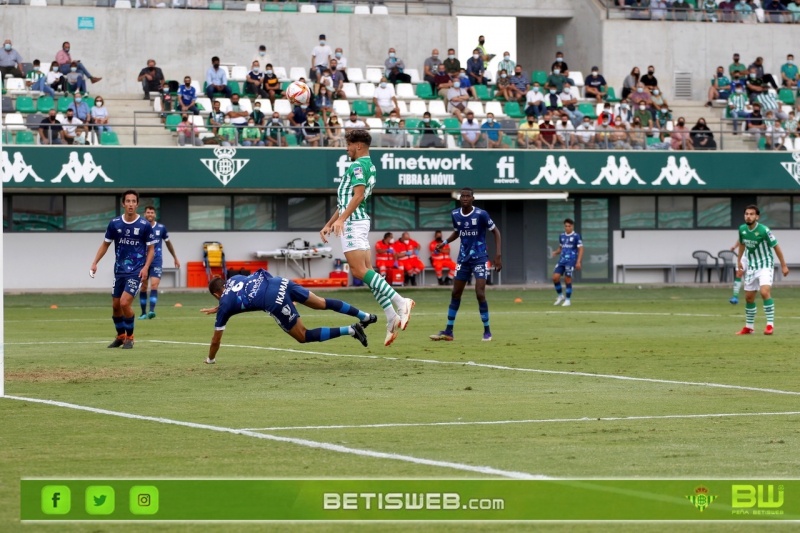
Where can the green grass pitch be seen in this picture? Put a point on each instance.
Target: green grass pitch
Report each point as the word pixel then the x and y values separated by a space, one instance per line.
pixel 625 383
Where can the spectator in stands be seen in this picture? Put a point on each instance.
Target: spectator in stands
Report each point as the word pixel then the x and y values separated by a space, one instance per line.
pixel 64 60
pixel 297 119
pixel 236 112
pixel 55 80
pixel 641 95
pixel 639 9
pixel 585 135
pixel 36 80
pixel 604 131
pixel 50 130
pixel 228 134
pixel 680 10
pixel 275 134
pixel 74 129
pixel 337 81
pixel 326 80
pixel 739 81
pixel 254 82
pixel 625 111
pixel 680 139
pixel 758 64
pixel 466 84
pixel 470 131
pixel 320 58
pixel 98 116
pixel 720 87
pixel 504 88
pixel 535 102
pixel 569 105
pixel 644 116
pixel 776 12
pixel 528 133
pixel 151 78
pixel 492 132
pixel 709 10
pixel 393 135
pixel 702 138
pixel 216 118
pixel 649 80
pixel 80 109
pixel 506 64
pixel 272 85
pixel 74 80
pixel 789 73
pixel 258 115
pixel 657 101
pixel 754 84
pixel 774 133
pixel 791 126
pixel 396 75
pixel 658 9
pixel 555 80
pixel 727 10
pixel 630 82
pixel 324 103
pixel 595 85
pixel 660 143
pixel 552 101
pixel 737 107
pixel 520 80
pixel 334 132
pixel 485 56
pixel 354 123
pixel 217 79
pixel 442 81
pixel 384 99
pixel 637 135
pixel 441 260
pixel 737 67
pixel 188 132
pixel 564 131
pixel 619 136
pixel 663 115
pixel 430 68
pixel 769 102
pixel 452 64
pixel 251 135
pixel 341 64
pixel 475 69
pixel 393 61
pixel 547 133
pixel 560 65
pixel 457 100
pixel 261 56
pixel 429 130
pixel 10 61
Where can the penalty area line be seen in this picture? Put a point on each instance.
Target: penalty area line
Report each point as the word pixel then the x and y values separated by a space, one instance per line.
pixel 487 470
pixel 497 367
pixel 531 421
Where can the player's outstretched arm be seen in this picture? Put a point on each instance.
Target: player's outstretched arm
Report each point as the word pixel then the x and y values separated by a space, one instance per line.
pixel 784 266
pixel 174 255
pixel 98 256
pixel 498 247
pixel 214 348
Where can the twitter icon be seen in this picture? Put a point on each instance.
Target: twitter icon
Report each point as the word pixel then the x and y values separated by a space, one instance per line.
pixel 99 500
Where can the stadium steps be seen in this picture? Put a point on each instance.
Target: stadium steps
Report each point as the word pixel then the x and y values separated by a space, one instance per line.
pixel 693 110
pixel 150 130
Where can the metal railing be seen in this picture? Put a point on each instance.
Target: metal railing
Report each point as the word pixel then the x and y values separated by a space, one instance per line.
pixel 687 12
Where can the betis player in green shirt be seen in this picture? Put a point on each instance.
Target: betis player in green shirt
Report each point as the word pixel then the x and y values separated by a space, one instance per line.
pixel 756 242
pixel 351 224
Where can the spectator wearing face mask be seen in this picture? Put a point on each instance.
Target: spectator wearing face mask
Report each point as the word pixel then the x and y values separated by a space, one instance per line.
pixel 758 65
pixel 341 64
pixel 630 82
pixel 475 69
pixel 251 135
pixel 637 136
pixel 55 79
pixel 534 102
pixel 228 133
pixel 10 61
pixel 547 133
pixel 75 81
pixel 564 132
pixel 561 65
pixel 641 94
pixel 187 97
pixel 393 135
pixel 492 132
pixel 275 134
pixel 430 131
pixel 470 131
pixel 504 87
pixel 649 80
pixel 452 64
pixel 737 107
pixel 720 86
pixel 442 81
pixel 217 79
pixel 789 73
pixel 384 99
pixel 187 133
pixel 216 118
pixel 272 85
pixel 430 67
pixel 74 129
pixel 261 57
pixel 585 135
pixel 354 123
pixel 505 64
pixel 338 79
pixel 528 133
pixel 595 85
pixel 552 101
pixel 334 132
pixel 702 138
pixel 324 103
pixel 620 138
pixel 80 109
pixel 680 138
pixel 555 80
pixel 569 105
pixel 65 62
pixel 297 119
pixel 254 83
pixel 643 115
pixel 392 62
pixel 36 80
pixel 520 80
pixel 50 130
pixel 320 58
pixel 258 115
pixel 457 98
pixel 775 133
pixel 152 78
pixel 99 115
pixel 465 82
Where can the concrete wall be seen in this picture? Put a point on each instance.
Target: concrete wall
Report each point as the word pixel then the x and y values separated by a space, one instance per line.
pixel 518 8
pixel 183 41
pixel 30 258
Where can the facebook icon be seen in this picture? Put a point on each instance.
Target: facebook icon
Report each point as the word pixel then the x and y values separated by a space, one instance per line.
pixel 56 499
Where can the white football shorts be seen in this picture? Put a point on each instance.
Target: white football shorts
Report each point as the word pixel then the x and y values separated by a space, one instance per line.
pixel 755 278
pixel 356 235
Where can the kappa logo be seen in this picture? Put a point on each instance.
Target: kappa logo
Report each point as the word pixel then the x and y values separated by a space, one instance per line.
pixel 18 171
pixel 560 174
pixel 621 174
pixel 792 168
pixel 675 174
pixel 224 167
pixel 76 171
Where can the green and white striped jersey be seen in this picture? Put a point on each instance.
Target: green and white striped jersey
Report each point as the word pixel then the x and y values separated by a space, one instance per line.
pixel 360 172
pixel 758 243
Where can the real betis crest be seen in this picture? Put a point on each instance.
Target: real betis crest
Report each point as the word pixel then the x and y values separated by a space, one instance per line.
pixel 225 167
pixel 701 498
pixel 793 168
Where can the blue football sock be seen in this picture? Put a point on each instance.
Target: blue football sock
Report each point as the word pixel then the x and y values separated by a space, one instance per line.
pixel 452 311
pixel 153 299
pixel 483 307
pixel 118 325
pixel 128 323
pixel 325 334
pixel 143 300
pixel 569 290
pixel 345 308
pixel 558 287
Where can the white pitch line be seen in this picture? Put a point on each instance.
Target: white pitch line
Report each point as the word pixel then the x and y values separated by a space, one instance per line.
pixel 498 367
pixel 488 470
pixel 531 421
pixel 54 342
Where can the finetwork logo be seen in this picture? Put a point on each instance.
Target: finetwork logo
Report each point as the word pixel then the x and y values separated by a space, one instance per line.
pixel 560 174
pixel 701 498
pixel 792 168
pixel 74 170
pixel 225 167
pixel 428 169
pixel 342 164
pixel 506 171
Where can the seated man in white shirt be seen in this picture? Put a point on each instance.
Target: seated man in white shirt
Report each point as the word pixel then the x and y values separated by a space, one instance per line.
pixel 584 135
pixel 470 131
pixel 354 123
pixel 384 99
pixel 564 132
pixel 457 100
pixel 74 131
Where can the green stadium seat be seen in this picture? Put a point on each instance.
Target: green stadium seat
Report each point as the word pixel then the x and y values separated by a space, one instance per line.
pixel 362 108
pixel 482 92
pixel 270 6
pixel 588 110
pixel 762 143
pixel 290 8
pixel 344 8
pixel 63 104
pixel 786 96
pixel 513 110
pixel 89 101
pixel 109 138
pixel 611 95
pixel 291 139
pixel 325 8
pixel 172 121
pixel 285 85
pixel 540 76
pixel 25 137
pixel 216 6
pixel 509 139
pixel 235 87
pixel 25 105
pixel 44 104
pixel 425 92
pixel 452 126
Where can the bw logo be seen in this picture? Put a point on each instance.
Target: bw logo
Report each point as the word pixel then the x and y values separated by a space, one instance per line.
pixel 225 167
pixel 793 168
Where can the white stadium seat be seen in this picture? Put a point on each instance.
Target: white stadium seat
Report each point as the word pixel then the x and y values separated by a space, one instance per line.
pixel 205 103
pixel 417 108
pixel 437 109
pixel 405 91
pixel 239 73
pixel 401 106
pixel 224 104
pixel 14 122
pixel 496 108
pixel 577 77
pixel 253 6
pixel 198 121
pixel 366 90
pixel 414 73
pixel 246 104
pixel 197 86
pixel 266 106
pixel 341 108
pixel 350 90
pixel 283 107
pixel 361 10
pixel 380 10
pixel 355 75
pixel 375 125
pixel 280 72
pixel 38 3
pixel 477 108
pixel 295 73
pixel 305 8
pixel 374 74
pixel 15 85
pixel 122 4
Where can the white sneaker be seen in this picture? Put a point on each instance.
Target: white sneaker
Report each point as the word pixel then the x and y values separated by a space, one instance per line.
pixel 404 312
pixel 392 328
pixel 566 303
pixel 559 300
